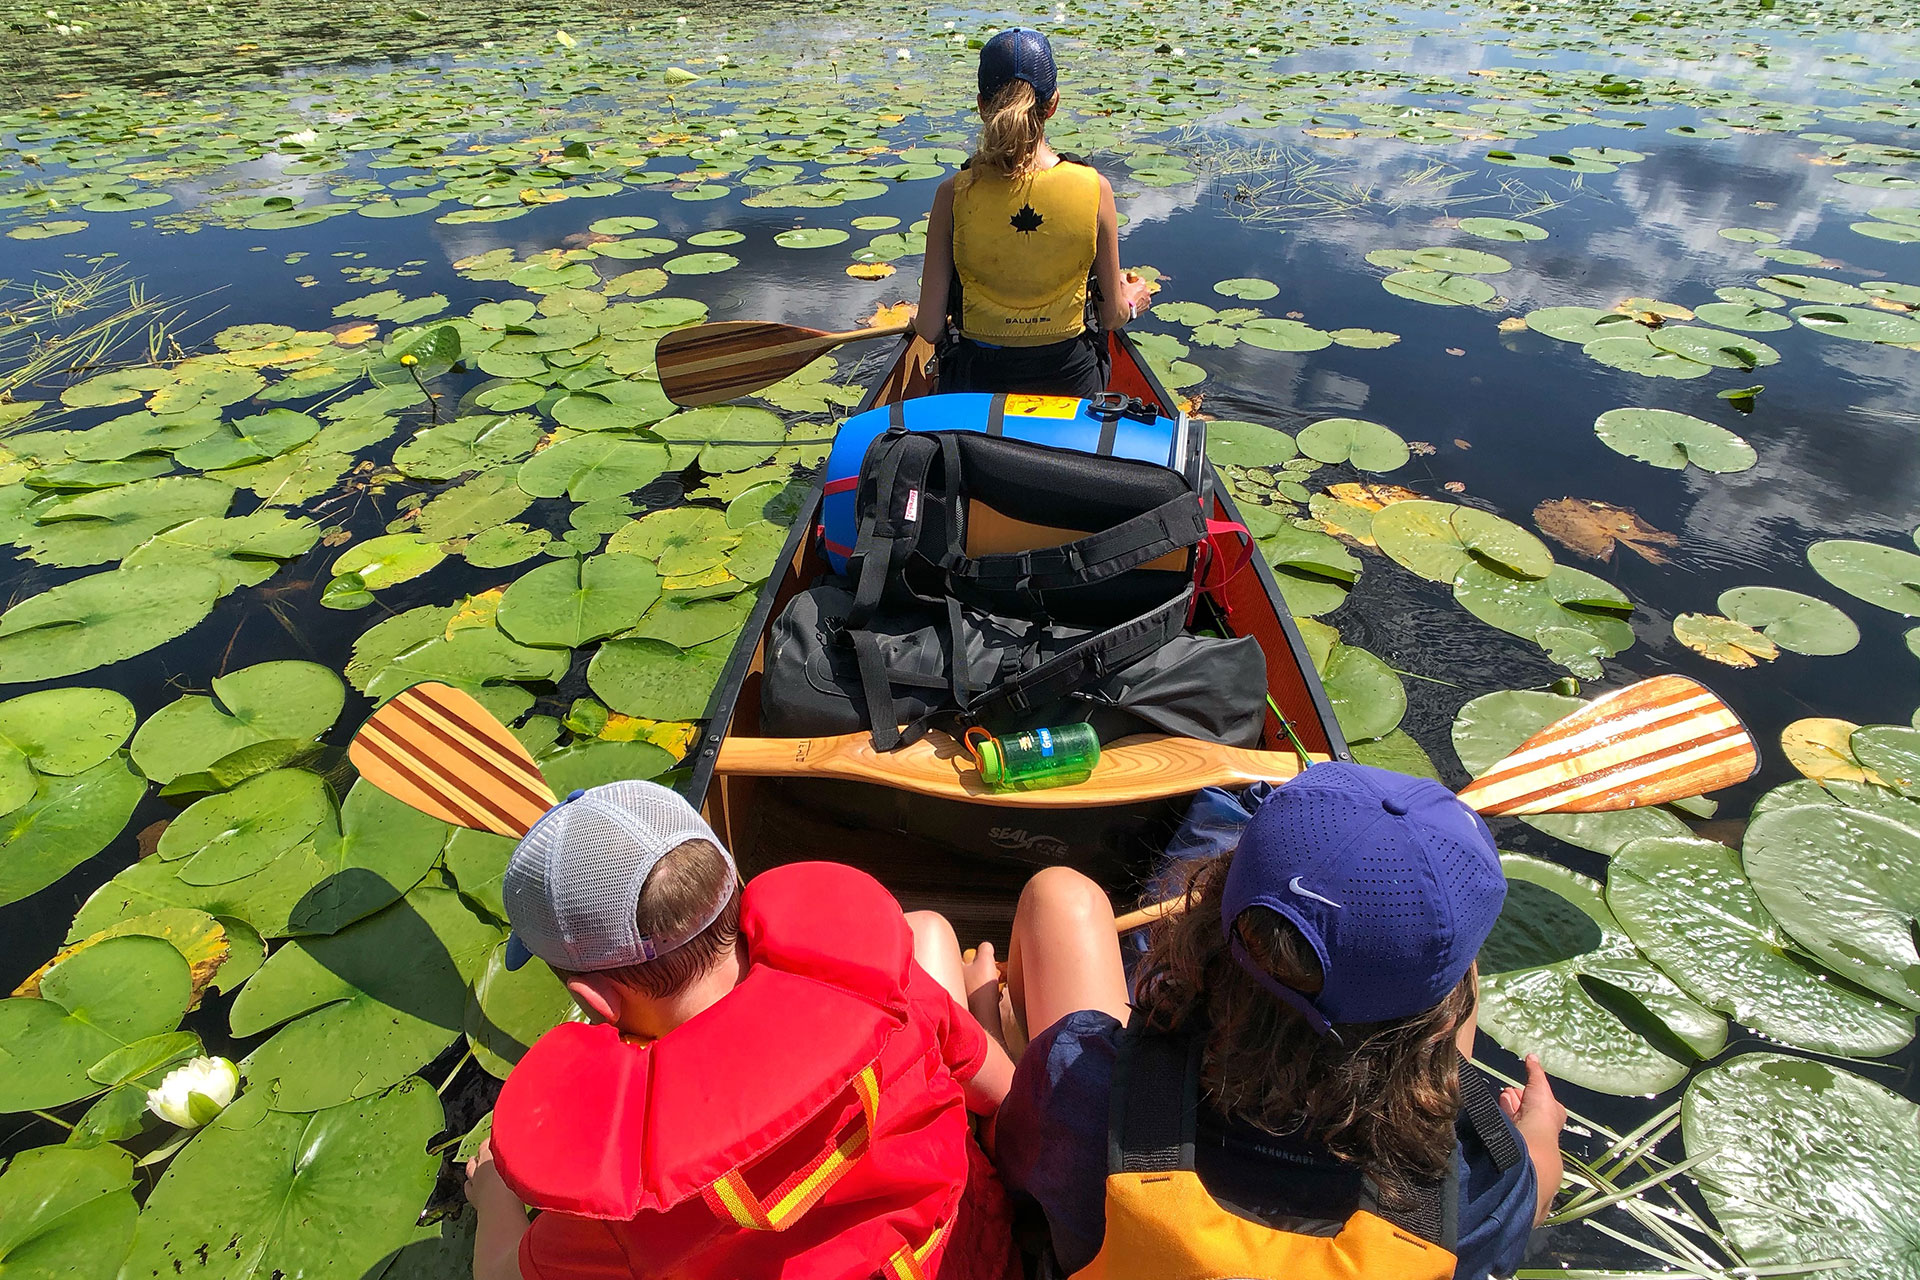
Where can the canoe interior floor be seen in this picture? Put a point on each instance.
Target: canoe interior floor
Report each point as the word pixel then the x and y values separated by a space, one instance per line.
pixel 771 822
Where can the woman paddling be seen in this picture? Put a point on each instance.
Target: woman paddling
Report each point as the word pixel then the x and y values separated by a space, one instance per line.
pixel 1288 1075
pixel 1014 241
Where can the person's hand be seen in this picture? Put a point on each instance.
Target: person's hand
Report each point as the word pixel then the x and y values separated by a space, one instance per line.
pixel 486 1190
pixel 1136 293
pixel 1534 1110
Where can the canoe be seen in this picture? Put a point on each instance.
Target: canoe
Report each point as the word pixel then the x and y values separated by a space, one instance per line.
pixel 967 853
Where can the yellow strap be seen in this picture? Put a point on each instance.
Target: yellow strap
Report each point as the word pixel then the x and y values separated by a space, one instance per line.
pixel 731 1197
pixel 909 1264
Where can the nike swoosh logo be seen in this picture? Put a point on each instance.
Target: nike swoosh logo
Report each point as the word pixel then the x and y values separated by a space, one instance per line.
pixel 1295 885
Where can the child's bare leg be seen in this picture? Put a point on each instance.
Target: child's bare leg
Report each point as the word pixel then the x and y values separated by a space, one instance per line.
pixel 1065 955
pixel 937 949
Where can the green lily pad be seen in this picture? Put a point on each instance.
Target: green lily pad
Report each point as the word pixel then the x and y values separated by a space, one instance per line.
pixel 1368 698
pixel 69 1212
pixel 139 433
pixel 1808 1164
pixel 243 550
pixel 266 705
pixel 1440 288
pixel 1638 354
pixel 103 526
pixel 511 1008
pixel 1741 316
pixel 359 1173
pixel 66 731
pixel 116 387
pixel 96 1001
pixel 1886 576
pixel 1710 346
pixel 1560 978
pixel 364 1007
pixel 1491 726
pixel 505 545
pixel 1582 324
pixel 1308 551
pixel 1793 621
pixel 1892 752
pixel 1438 539
pixel 733 437
pixel 102 619
pixel 1502 229
pixel 1248 444
pixel 235 833
pixel 1570 613
pixel 247 440
pixel 1845 883
pixel 680 541
pixel 570 603
pixel 1860 324
pixel 1673 440
pixel 686 623
pixel 810 237
pixel 655 680
pixel 1822 290
pixel 392 558
pixel 701 264
pixel 47 230
pixel 1689 907
pixel 1252 288
pixel 65 821
pixel 473 506
pixel 591 467
pixel 1367 445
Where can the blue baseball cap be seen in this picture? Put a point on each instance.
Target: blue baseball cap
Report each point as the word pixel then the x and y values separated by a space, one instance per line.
pixel 1392 880
pixel 1017 54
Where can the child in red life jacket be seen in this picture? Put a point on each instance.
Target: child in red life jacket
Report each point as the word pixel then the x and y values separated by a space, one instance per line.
pixel 770 1084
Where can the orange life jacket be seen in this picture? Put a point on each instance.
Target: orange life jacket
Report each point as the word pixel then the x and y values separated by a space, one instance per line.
pixel 808 1126
pixel 1163 1225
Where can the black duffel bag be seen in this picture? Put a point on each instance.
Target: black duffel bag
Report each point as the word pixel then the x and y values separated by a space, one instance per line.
pixel 1143 676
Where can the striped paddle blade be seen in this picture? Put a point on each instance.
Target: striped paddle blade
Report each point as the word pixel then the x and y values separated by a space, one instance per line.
pixel 1659 740
pixel 708 363
pixel 436 749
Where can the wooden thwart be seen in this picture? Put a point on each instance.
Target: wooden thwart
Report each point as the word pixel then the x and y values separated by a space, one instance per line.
pixel 1130 770
pixel 437 749
pixel 708 363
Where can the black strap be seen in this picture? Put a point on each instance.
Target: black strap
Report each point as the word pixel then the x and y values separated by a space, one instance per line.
pixel 1154 1106
pixel 1085 664
pixel 897 415
pixel 1142 539
pixel 876 548
pixel 1481 1103
pixel 1109 428
pixel 877 689
pixel 997 416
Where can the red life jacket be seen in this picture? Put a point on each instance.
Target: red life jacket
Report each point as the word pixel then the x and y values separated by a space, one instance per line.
pixel 808 1126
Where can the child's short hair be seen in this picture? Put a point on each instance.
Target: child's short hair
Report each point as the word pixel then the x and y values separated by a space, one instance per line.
pixel 678 891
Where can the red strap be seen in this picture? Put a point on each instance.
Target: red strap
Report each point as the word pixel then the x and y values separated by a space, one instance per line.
pixel 841 485
pixel 1227 550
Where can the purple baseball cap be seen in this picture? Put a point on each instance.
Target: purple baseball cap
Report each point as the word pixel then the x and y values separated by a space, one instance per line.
pixel 1393 881
pixel 1020 53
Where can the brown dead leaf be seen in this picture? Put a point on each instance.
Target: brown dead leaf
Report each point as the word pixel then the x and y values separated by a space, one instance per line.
pixel 870 270
pixel 1512 324
pixel 337 538
pixel 1460 444
pixel 1888 304
pixel 1723 640
pixel 891 313
pixel 1421 449
pixel 1456 351
pixel 148 838
pixel 1593 529
pixel 1370 497
pixel 1454 486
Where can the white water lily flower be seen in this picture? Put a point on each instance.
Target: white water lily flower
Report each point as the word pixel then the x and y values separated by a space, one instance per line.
pixel 193 1094
pixel 720 60
pixel 306 137
pixel 949 26
pixel 729 133
pixel 902 55
pixel 1253 51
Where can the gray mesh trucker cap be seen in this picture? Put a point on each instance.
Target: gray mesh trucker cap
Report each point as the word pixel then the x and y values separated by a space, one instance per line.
pixel 574 879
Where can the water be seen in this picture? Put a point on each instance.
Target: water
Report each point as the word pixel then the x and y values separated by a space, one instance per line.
pixel 1501 420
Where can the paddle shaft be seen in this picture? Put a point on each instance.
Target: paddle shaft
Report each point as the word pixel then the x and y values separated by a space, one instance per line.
pixel 710 363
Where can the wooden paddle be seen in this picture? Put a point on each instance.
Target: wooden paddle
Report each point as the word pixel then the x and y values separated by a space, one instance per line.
pixel 1659 740
pixel 709 363
pixel 437 749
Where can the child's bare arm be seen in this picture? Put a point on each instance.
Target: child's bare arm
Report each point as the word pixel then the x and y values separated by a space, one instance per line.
pixel 503 1220
pixel 1539 1117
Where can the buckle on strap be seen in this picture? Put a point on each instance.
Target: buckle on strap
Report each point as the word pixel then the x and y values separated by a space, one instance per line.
pixel 730 1198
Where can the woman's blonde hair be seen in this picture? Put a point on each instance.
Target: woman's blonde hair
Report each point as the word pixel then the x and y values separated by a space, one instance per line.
pixel 1384 1096
pixel 1015 124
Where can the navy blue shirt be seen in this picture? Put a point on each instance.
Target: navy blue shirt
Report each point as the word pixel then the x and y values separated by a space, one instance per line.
pixel 1051 1140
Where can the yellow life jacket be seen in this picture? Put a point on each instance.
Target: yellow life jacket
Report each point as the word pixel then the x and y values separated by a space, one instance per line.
pixel 1163 1225
pixel 1022 249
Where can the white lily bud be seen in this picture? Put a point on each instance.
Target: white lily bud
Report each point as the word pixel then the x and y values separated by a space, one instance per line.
pixel 193 1094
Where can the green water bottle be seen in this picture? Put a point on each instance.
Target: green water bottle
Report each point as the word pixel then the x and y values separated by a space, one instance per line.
pixel 1037 758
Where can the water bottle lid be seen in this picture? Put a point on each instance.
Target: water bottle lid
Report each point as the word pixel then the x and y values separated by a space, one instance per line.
pixel 992 763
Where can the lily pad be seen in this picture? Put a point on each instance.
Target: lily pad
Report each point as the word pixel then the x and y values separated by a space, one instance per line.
pixel 1711 346
pixel 573 602
pixel 253 439
pixel 100 999
pixel 1570 613
pixel 1502 229
pixel 243 550
pixel 487 501
pixel 1845 883
pixel 655 680
pixel 680 541
pixel 252 712
pixel 1673 440
pixel 511 1008
pixel 1368 698
pixel 594 466
pixel 1440 288
pixel 66 821
pixel 1248 444
pixel 1689 907
pixel 235 833
pixel 1582 324
pixel 102 619
pixel 810 237
pixel 732 437
pixel 364 1007
pixel 1892 753
pixel 69 1212
pixel 685 623
pixel 1638 354
pixel 358 1173
pixel 1438 539
pixel 1799 623
pixel 1558 973
pixel 62 732
pixel 1741 316
pixel 1809 1164
pixel 1815 289
pixel 1860 324
pixel 1723 640
pixel 1886 576
pixel 701 264
pixel 103 526
pixel 1367 445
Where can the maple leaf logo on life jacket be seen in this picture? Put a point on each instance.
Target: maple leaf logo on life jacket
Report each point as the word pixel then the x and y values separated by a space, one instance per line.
pixel 1026 220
